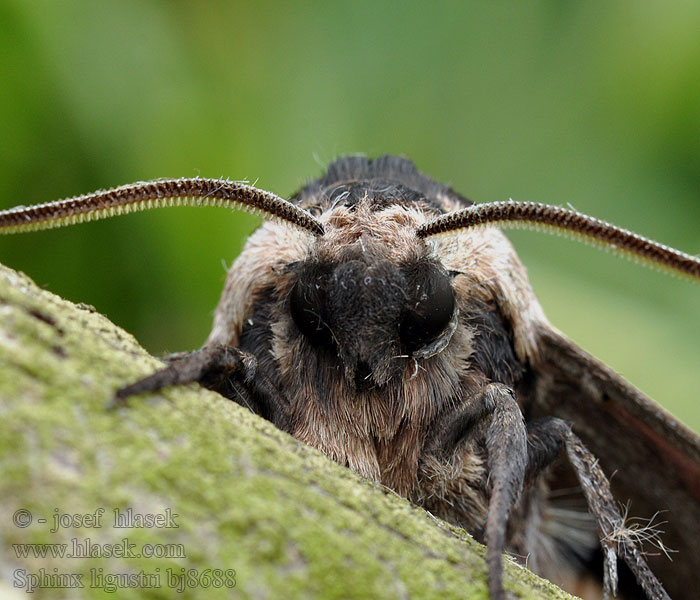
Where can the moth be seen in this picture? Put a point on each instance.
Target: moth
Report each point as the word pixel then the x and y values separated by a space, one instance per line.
pixel 381 318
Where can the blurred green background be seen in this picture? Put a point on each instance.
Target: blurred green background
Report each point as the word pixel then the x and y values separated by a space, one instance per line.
pixel 591 104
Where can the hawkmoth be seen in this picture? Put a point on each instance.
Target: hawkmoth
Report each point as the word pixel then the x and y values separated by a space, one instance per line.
pixel 376 317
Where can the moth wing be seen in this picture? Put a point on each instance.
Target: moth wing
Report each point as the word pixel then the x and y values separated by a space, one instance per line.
pixel 652 460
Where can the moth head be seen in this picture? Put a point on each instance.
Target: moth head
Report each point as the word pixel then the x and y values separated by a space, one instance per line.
pixel 369 294
pixel 373 313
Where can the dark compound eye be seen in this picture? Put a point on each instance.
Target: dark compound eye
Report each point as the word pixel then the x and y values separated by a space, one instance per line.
pixel 429 308
pixel 307 307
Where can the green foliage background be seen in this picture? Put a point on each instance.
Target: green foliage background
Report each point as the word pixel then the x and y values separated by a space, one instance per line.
pixel 591 104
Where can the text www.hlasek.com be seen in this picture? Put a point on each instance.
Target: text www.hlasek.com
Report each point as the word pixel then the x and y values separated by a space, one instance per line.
pixel 85 548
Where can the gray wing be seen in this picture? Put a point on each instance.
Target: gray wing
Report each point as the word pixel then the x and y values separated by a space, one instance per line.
pixel 652 459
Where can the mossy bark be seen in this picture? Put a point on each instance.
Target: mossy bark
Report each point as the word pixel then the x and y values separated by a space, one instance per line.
pixel 239 493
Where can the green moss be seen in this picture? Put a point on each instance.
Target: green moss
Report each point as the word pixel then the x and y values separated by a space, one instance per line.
pixel 246 496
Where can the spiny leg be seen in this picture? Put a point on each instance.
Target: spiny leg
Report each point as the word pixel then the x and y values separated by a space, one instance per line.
pixel 224 369
pixel 547 437
pixel 615 538
pixel 494 411
pixel 506 445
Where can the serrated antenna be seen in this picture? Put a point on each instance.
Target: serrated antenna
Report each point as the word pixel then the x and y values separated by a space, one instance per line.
pixel 156 194
pixel 555 219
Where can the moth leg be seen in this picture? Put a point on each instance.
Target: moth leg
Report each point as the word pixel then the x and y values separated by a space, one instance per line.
pixel 185 368
pixel 224 369
pixel 611 526
pixel 174 357
pixel 506 445
pixel 547 437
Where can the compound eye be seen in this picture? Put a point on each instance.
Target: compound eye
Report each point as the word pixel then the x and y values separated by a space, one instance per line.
pixel 429 309
pixel 307 307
